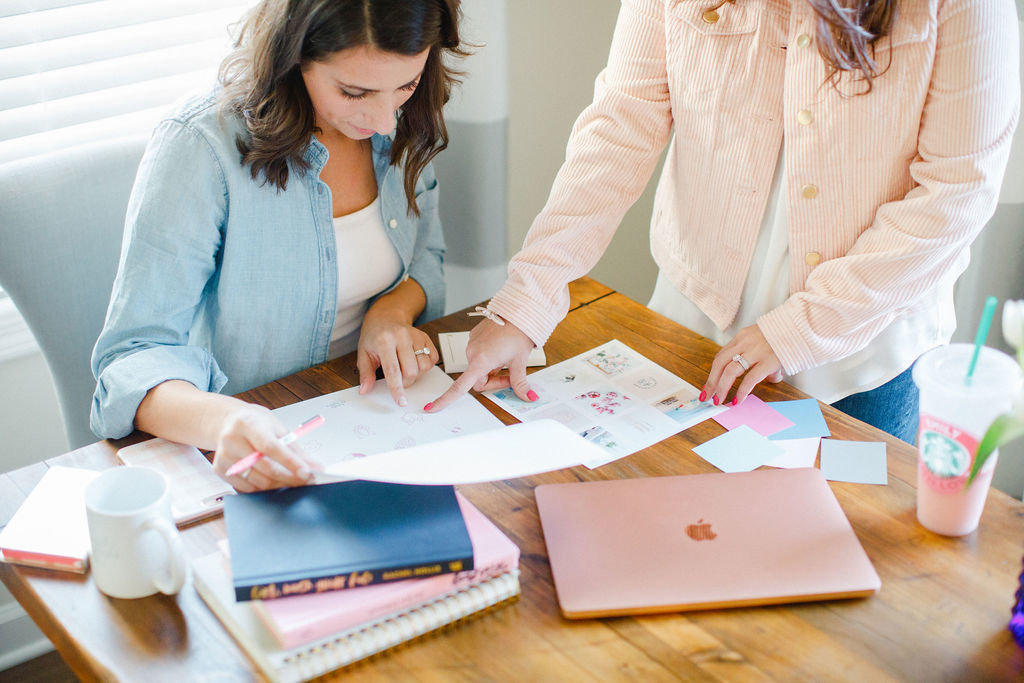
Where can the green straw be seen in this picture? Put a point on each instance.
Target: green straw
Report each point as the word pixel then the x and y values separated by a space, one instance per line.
pixel 979 339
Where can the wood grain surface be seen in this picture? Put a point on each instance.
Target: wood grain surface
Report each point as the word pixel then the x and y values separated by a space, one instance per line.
pixel 941 613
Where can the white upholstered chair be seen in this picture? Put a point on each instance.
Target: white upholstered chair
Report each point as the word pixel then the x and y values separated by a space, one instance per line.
pixel 61 221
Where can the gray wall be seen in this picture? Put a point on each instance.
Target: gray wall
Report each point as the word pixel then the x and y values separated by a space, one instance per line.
pixel 556 49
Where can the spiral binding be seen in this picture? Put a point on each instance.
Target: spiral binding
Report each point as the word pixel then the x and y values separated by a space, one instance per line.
pixel 377 638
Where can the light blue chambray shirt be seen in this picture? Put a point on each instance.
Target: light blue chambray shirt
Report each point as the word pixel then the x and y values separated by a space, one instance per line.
pixel 227 282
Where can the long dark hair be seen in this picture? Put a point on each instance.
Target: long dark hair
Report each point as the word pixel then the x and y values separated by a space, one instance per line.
pixel 847 31
pixel 262 77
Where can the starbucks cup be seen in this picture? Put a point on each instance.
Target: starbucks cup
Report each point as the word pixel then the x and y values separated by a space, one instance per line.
pixel 954 414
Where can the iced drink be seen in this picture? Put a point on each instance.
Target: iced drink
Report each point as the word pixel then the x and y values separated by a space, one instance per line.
pixel 954 414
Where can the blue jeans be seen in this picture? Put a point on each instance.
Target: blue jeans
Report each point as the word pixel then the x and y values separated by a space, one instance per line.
pixel 891 407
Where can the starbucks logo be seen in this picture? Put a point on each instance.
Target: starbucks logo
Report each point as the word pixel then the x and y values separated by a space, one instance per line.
pixel 944 456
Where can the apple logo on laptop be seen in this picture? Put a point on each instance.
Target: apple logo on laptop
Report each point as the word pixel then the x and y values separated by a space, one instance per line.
pixel 701 531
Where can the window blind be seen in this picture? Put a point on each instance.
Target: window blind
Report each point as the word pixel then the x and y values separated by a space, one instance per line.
pixel 80 71
pixel 74 71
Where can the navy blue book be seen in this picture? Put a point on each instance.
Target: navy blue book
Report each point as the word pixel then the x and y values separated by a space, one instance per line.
pixel 311 539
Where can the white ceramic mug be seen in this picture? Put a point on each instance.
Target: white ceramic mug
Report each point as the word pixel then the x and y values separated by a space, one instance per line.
pixel 136 549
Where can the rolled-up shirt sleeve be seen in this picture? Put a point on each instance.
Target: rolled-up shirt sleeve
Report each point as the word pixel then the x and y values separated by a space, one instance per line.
pixel 172 238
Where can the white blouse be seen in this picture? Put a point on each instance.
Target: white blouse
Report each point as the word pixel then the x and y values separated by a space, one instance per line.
pixel 767 286
pixel 367 265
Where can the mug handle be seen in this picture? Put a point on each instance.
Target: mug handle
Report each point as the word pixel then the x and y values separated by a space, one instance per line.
pixel 171 582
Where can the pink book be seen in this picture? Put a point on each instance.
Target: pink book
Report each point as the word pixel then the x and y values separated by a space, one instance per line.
pixel 304 618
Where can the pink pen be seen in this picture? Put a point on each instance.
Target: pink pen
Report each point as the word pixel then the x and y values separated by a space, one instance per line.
pixel 251 459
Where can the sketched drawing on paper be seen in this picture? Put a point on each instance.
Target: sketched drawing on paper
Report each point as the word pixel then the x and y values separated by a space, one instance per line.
pixel 610 363
pixel 362 431
pixel 646 383
pixel 604 401
pixel 601 437
pixel 614 395
pixel 516 405
pixel 363 425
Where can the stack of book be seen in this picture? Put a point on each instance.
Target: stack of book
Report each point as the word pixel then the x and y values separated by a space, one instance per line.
pixel 315 577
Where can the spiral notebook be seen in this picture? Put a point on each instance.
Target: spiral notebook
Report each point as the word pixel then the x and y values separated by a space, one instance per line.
pixel 213 583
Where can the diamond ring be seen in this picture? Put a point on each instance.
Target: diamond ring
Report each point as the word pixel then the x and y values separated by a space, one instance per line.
pixel 425 351
pixel 744 363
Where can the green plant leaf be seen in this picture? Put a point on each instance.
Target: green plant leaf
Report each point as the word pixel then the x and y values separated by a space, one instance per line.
pixel 1003 429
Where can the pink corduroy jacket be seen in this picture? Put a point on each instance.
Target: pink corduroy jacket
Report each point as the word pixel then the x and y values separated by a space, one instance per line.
pixel 886 191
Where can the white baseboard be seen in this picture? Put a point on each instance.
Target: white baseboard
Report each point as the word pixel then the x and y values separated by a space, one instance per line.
pixel 21 639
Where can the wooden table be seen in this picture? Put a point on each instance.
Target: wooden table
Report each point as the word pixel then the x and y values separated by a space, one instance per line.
pixel 941 613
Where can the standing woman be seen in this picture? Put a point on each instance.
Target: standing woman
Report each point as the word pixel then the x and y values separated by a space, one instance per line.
pixel 832 162
pixel 287 217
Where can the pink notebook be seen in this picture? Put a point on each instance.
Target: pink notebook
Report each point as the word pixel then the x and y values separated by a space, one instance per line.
pixel 304 618
pixel 50 529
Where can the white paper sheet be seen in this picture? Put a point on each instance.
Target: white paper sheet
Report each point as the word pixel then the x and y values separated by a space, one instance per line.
pixel 518 450
pixel 453 352
pixel 357 426
pixel 799 452
pixel 612 396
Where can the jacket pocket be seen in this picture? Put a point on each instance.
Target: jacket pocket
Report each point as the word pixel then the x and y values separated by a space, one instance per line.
pixel 704 51
pixel 731 19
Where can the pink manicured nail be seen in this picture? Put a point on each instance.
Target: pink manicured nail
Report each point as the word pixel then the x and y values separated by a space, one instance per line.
pixel 428 406
pixel 735 400
pixel 715 399
pixel 532 395
pixel 703 396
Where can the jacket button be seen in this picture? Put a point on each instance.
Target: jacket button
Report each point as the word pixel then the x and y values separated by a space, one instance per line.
pixel 812 258
pixel 711 16
pixel 809 191
pixel 804 117
pixel 803 40
pixel 393 223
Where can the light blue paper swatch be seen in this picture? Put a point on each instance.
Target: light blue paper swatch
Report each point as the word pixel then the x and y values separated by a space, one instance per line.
pixel 859 462
pixel 806 417
pixel 738 450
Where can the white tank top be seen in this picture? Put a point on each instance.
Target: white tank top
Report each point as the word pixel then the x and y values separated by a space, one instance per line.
pixel 368 263
pixel 767 287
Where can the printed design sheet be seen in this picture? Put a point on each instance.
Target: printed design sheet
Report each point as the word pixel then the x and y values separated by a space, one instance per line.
pixel 613 397
pixel 358 426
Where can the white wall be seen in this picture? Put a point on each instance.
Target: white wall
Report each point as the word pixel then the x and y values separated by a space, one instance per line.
pixel 556 49
pixel 29 415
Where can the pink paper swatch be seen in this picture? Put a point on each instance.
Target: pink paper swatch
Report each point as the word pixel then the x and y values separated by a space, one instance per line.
pixel 756 414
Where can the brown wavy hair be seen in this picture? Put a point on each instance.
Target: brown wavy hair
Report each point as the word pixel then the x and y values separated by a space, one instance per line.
pixel 262 76
pixel 847 31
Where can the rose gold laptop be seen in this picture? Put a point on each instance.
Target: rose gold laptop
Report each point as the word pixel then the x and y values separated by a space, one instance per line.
pixel 697 542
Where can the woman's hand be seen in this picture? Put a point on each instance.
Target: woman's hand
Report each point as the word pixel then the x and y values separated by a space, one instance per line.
pixel 750 345
pixel 255 428
pixel 177 411
pixel 389 342
pixel 492 348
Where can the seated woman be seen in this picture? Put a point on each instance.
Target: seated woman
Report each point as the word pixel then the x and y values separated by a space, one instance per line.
pixel 288 217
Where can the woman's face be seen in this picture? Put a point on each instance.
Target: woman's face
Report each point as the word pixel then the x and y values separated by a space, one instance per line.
pixel 357 91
